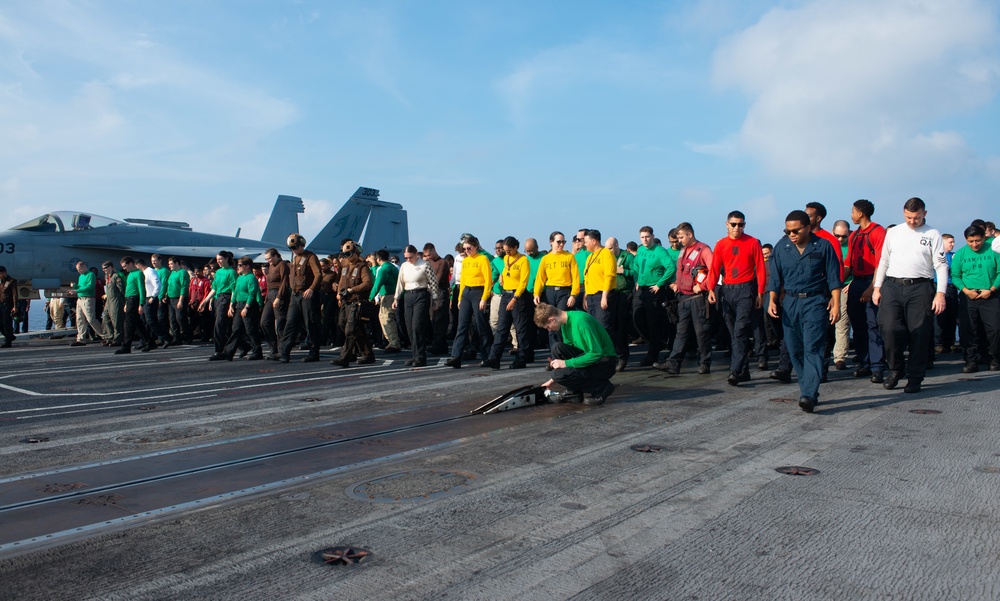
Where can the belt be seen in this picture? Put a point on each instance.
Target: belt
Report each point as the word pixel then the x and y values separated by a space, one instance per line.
pixel 909 281
pixel 224 295
pixel 422 289
pixel 804 294
pixel 558 288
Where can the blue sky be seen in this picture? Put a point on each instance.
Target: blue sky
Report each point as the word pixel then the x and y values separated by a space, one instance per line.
pixel 512 118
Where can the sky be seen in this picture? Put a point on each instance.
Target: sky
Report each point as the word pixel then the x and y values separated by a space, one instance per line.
pixel 500 118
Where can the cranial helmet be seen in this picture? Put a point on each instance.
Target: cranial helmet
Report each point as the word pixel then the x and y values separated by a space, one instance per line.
pixel 295 240
pixel 349 247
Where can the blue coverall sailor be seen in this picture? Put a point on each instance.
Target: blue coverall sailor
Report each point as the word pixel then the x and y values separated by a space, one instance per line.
pixel 805 281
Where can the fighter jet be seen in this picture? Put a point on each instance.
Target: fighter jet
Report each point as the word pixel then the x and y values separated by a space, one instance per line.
pixel 43 252
pixel 384 225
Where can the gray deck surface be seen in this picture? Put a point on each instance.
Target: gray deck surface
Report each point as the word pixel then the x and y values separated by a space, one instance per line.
pixel 905 505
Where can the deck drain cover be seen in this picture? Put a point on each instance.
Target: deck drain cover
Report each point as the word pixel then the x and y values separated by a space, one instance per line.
pixel 646 448
pixel 54 488
pixel 413 486
pixel 35 439
pixel 797 470
pixel 925 411
pixel 342 556
pixel 104 500
pixel 166 434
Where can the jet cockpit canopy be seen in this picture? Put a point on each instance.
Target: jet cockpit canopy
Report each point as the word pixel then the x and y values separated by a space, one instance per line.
pixel 66 221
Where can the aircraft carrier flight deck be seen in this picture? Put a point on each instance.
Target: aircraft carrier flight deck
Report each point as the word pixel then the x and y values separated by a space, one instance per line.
pixel 162 475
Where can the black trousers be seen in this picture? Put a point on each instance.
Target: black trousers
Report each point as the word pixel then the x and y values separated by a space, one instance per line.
pixel 302 311
pixel 163 318
pixel 356 341
pixel 945 322
pixel 557 296
pixel 759 334
pixel 589 379
pixel 907 320
pixel 134 325
pixel 6 322
pixel 738 304
pixel 180 327
pixel 248 326
pixel 330 312
pixel 603 316
pixel 606 317
pixel 650 318
pixel 223 322
pixel 519 316
pixel 469 312
pixel 621 321
pixel 440 316
pixel 868 344
pixel 272 321
pixel 416 309
pixel 980 318
pixel 151 314
pixel 693 320
pixel 453 313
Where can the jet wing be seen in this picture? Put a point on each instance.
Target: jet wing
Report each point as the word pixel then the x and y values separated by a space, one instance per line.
pixel 178 251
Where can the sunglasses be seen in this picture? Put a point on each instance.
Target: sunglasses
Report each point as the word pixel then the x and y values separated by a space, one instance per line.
pixel 468 248
pixel 842 236
pixel 559 242
pixel 738 224
pixel 796 231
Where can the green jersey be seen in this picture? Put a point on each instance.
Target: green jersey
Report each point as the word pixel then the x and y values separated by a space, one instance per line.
pixel 497 265
pixel 178 283
pixel 135 286
pixel 654 267
pixel 225 281
pixel 625 281
pixel 587 334
pixel 533 263
pixel 581 257
pixel 86 285
pixel 247 290
pixel 164 274
pixel 386 277
pixel 975 270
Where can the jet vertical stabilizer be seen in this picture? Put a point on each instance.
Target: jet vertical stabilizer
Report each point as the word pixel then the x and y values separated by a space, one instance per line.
pixel 284 220
pixel 387 228
pixel 386 225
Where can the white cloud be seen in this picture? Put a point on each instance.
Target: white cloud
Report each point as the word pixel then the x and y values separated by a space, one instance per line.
pixel 103 91
pixel 763 210
pixel 379 56
pixel 858 88
pixel 727 148
pixel 318 213
pixel 696 196
pixel 558 68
